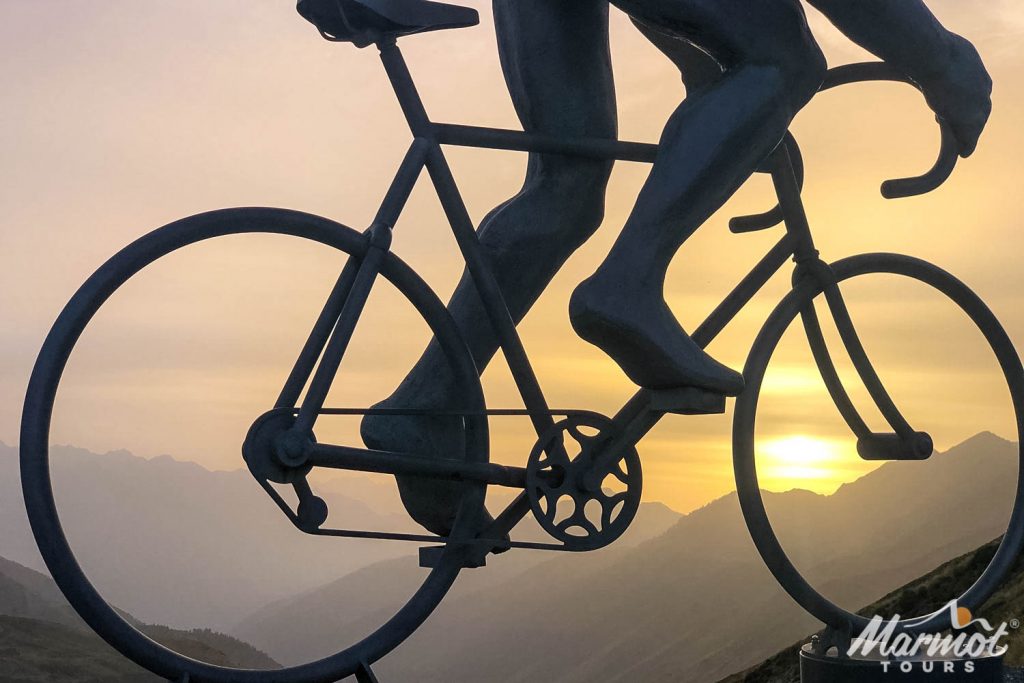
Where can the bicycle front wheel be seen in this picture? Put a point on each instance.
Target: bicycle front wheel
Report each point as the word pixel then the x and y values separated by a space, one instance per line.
pixel 885 271
pixel 46 380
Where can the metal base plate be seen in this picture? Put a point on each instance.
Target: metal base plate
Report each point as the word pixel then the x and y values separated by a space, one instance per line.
pixel 815 668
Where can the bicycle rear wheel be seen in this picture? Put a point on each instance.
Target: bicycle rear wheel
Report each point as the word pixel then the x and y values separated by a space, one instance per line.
pixel 38 411
pixel 799 300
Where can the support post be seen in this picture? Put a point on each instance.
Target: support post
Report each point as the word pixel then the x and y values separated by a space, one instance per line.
pixel 365 675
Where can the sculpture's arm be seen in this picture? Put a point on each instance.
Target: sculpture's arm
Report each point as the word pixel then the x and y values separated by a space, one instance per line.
pixel 908 36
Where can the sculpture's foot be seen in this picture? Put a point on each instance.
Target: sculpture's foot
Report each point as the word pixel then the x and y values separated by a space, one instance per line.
pixel 635 327
pixel 431 503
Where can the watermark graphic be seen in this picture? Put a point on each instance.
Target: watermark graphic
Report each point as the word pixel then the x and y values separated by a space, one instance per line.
pixel 970 638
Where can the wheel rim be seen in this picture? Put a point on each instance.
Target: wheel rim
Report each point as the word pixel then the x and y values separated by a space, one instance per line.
pixel 37 414
pixel 751 502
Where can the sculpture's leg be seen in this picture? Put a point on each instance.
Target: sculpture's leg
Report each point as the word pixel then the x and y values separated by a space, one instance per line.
pixel 556 60
pixel 711 145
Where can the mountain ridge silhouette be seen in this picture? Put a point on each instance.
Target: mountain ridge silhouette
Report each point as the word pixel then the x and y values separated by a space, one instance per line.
pixel 43 639
pixel 695 603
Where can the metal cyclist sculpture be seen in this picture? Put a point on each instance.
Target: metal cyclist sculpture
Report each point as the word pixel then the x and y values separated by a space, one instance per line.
pixel 749 67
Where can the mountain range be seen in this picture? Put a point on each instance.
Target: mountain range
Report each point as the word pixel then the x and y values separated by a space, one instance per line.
pixel 695 603
pixel 43 640
pixel 923 596
pixel 177 544
pixel 678 598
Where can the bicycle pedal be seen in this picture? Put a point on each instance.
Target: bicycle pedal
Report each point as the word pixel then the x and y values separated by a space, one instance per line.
pixel 471 556
pixel 686 401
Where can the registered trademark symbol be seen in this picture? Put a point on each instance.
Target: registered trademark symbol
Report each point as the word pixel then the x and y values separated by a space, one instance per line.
pixel 1014 623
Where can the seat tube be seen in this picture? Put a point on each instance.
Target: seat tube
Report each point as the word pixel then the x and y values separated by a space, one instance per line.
pixel 405 89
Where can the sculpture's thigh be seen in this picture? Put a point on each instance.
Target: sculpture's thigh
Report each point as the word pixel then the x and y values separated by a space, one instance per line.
pixel 557 64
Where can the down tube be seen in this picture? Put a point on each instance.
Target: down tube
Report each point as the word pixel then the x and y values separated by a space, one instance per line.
pixel 748 287
pixel 634 419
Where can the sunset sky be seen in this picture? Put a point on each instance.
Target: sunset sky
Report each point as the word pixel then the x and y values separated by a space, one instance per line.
pixel 120 116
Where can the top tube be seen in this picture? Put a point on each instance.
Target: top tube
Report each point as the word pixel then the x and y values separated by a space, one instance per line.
pixel 602 148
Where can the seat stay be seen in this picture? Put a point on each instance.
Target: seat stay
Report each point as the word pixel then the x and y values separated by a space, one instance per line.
pixel 301 371
pixel 387 215
pixel 352 309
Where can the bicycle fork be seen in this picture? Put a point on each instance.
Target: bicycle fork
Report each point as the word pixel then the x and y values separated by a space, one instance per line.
pixel 904 443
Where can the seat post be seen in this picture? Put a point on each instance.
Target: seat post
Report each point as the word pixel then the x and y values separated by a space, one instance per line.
pixel 401 80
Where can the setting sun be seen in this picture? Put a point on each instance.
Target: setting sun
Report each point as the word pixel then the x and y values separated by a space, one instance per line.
pixel 806 462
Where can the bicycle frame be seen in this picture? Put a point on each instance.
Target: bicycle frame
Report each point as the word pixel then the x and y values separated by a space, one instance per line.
pixel 332 332
pixel 279 447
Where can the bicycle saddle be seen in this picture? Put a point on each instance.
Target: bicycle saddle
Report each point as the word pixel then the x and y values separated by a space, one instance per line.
pixel 363 22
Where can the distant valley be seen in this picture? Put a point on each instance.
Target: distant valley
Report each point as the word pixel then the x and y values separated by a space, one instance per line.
pixel 695 604
pixel 177 544
pixel 43 640
pixel 679 598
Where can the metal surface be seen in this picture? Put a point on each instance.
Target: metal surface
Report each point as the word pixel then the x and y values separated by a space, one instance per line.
pixel 744 451
pixel 40 503
pixel 558 491
pixel 284 451
pixel 518 141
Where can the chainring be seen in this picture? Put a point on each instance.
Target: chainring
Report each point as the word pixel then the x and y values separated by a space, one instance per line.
pixel 556 472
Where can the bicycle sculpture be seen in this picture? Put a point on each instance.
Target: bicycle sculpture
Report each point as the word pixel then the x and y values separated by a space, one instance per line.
pixel 575 450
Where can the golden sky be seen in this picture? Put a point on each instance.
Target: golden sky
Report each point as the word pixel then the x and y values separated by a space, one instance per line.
pixel 121 116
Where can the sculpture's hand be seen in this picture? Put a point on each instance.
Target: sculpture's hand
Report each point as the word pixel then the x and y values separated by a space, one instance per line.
pixel 960 92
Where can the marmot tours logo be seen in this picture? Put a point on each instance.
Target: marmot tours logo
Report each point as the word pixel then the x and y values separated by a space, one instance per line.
pixel 883 638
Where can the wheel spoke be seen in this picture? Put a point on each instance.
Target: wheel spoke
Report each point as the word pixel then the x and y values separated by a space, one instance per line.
pixel 608 505
pixel 580 437
pixel 578 519
pixel 552 496
pixel 620 473
pixel 555 453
